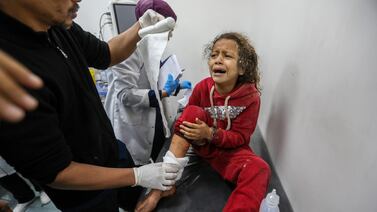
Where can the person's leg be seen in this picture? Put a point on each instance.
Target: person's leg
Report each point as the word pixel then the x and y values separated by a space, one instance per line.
pixel 18 187
pixel 250 174
pixel 190 114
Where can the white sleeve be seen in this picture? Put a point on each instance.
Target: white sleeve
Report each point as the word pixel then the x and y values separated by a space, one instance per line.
pixel 127 77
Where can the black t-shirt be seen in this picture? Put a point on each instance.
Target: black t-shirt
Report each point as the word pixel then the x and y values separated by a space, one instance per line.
pixel 70 123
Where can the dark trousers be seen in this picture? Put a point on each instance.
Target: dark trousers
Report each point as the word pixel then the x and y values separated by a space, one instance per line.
pixel 16 185
pixel 159 137
pixel 127 196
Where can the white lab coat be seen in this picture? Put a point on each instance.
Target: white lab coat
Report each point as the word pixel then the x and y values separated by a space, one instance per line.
pixel 5 168
pixel 128 108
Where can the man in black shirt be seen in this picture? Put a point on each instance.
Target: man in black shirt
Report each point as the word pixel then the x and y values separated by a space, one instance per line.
pixel 67 143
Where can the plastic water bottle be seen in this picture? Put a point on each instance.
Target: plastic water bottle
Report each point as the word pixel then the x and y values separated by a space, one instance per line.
pixel 101 85
pixel 270 203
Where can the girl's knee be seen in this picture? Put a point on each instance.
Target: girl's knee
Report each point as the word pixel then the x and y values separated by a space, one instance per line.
pixel 263 166
pixel 192 112
pixel 189 114
pixel 258 165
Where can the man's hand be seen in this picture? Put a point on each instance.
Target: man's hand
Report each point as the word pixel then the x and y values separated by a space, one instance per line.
pixel 181 162
pixel 165 25
pixel 185 84
pixel 13 98
pixel 149 18
pixel 198 132
pixel 156 175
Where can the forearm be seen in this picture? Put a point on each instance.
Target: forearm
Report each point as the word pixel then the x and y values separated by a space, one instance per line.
pixel 123 45
pixel 79 176
pixel 179 146
pixel 132 98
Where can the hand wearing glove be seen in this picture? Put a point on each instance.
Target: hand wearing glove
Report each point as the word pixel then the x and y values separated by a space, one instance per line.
pixel 170 158
pixel 182 85
pixel 185 84
pixel 165 25
pixel 149 18
pixel 170 85
pixel 156 175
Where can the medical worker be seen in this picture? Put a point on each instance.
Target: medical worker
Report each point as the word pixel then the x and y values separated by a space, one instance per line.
pixel 132 105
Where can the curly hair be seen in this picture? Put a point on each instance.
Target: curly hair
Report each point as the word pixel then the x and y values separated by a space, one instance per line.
pixel 248 58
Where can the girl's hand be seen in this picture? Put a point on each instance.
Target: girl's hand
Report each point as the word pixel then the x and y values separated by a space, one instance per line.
pixel 199 132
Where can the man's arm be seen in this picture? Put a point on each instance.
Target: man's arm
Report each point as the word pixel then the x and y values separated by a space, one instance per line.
pixel 13 99
pixel 79 176
pixel 124 44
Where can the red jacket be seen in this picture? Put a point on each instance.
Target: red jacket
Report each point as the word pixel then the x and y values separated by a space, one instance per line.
pixel 244 104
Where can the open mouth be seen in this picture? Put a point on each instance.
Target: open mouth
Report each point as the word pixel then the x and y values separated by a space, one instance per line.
pixel 219 71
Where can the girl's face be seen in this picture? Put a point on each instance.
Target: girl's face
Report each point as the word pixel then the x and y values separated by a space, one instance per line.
pixel 223 65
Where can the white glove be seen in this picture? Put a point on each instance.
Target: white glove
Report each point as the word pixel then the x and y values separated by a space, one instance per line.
pixel 165 25
pixel 150 17
pixel 181 162
pixel 156 176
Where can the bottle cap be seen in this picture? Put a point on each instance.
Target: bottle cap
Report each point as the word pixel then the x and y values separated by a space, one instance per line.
pixel 272 198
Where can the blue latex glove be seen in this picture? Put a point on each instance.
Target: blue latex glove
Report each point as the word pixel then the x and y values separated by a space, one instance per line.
pixel 185 84
pixel 171 84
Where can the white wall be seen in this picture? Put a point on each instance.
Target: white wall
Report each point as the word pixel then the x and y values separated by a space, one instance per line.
pixel 318 117
pixel 89 14
pixel 318 64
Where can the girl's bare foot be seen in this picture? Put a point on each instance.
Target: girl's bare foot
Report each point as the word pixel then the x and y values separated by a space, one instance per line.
pixel 151 200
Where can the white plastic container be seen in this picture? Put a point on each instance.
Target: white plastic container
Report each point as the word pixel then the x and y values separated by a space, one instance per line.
pixel 270 203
